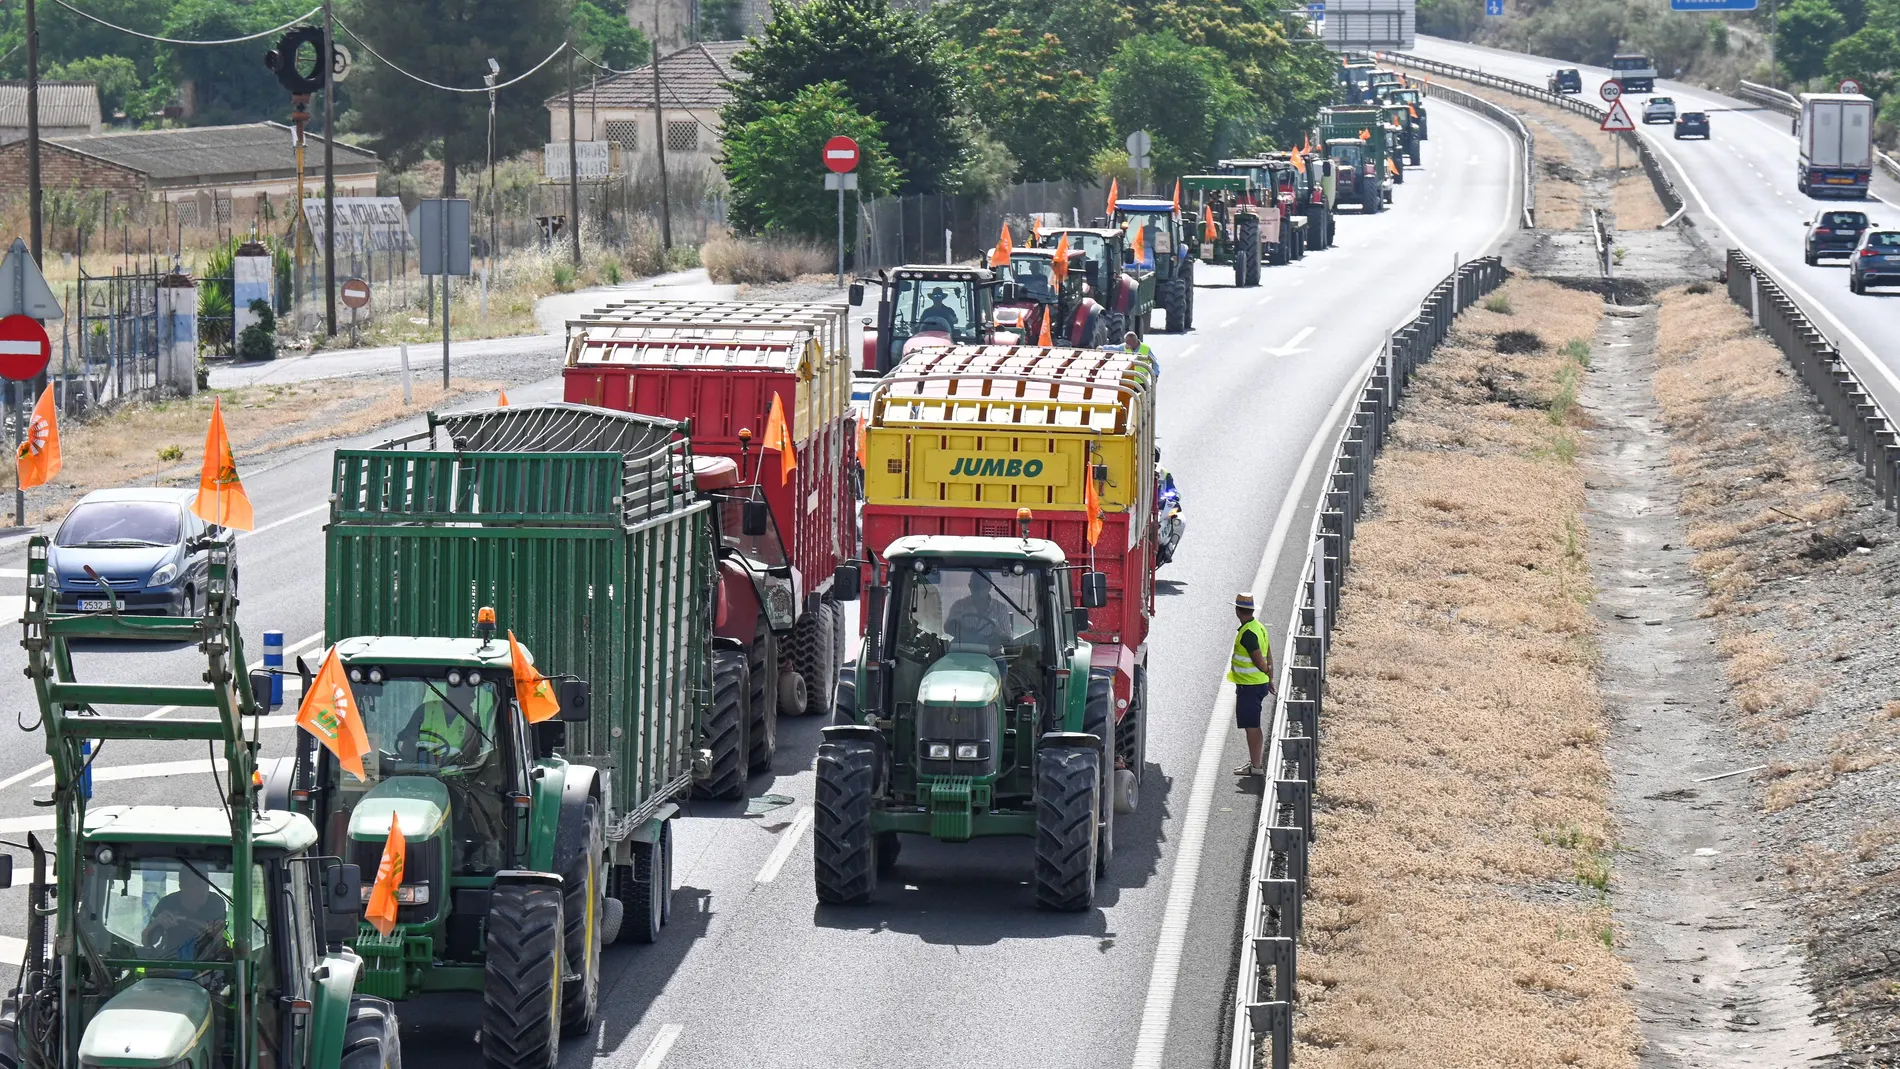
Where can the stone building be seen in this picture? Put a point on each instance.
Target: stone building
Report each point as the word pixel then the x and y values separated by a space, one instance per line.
pixel 695 82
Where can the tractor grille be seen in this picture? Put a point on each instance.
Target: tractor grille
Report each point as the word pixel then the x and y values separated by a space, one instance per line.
pixel 422 864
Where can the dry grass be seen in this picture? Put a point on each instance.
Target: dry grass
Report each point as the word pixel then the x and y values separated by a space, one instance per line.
pixel 1634 201
pixel 742 260
pixel 1458 913
pixel 128 446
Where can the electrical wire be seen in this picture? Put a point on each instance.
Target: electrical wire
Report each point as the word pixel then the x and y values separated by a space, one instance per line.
pixel 674 93
pixel 438 85
pixel 313 12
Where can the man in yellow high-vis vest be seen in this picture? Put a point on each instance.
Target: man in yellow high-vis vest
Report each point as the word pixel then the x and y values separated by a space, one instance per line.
pixel 1251 673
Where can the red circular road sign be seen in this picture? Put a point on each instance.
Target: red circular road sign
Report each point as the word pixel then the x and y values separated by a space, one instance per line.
pixel 1849 85
pixel 25 349
pixel 354 292
pixel 1610 90
pixel 841 154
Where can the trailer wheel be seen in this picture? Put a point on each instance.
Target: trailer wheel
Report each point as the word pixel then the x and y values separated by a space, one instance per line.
pixel 724 731
pixel 582 892
pixel 645 888
pixel 814 653
pixel 521 988
pixel 762 703
pixel 370 1035
pixel 844 850
pixel 1067 784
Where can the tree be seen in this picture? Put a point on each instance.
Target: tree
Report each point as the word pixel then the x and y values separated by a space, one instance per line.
pixel 888 63
pixel 1870 57
pixel 116 76
pixel 1808 29
pixel 603 34
pixel 772 162
pixel 230 83
pixel 450 42
pixel 1287 81
pixel 721 20
pixel 1089 30
pixel 1028 92
pixel 1182 95
pixel 1457 19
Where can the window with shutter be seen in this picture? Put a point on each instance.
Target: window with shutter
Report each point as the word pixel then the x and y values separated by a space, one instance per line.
pixel 682 135
pixel 622 132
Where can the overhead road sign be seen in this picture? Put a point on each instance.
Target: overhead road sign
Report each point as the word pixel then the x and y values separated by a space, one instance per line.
pixel 23 290
pixel 1494 7
pixel 841 155
pixel 1618 120
pixel 1368 25
pixel 1610 90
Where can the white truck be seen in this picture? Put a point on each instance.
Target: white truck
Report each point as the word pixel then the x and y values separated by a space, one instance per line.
pixel 1636 73
pixel 1835 134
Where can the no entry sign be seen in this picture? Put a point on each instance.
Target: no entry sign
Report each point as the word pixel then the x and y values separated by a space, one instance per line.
pixel 354 292
pixel 841 154
pixel 25 350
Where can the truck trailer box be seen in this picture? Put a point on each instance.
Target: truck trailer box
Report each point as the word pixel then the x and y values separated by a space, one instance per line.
pixel 1835 132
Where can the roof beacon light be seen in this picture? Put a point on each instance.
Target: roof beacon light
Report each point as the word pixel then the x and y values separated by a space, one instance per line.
pixel 485 623
pixel 1023 516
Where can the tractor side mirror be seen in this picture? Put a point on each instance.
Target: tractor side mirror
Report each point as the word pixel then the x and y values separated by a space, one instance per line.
pixel 260 690
pixel 573 696
pixel 753 518
pixel 1081 618
pixel 342 902
pixel 845 582
pixel 305 675
pixel 1094 589
pixel 856 292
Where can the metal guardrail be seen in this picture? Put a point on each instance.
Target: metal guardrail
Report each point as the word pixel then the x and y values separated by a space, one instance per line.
pixel 1652 166
pixel 1513 123
pixel 1787 104
pixel 1870 434
pixel 1277 881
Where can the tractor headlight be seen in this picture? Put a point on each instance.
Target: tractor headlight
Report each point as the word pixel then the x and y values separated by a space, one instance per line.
pixel 938 751
pixel 969 751
pixel 409 894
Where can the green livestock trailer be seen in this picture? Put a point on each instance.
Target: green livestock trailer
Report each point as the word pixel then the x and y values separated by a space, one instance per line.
pixel 582 533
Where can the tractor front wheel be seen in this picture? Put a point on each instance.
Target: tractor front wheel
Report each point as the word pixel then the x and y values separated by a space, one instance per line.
pixel 521 988
pixel 1067 783
pixel 726 728
pixel 844 850
pixel 370 1038
pixel 583 893
pixel 762 704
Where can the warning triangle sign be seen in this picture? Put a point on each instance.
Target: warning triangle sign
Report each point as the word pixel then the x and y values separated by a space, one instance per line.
pixel 1618 119
pixel 23 290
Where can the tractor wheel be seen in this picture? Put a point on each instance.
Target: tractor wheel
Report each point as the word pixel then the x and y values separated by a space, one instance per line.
pixel 1131 747
pixel 1247 253
pixel 646 888
pixel 725 730
pixel 1278 257
pixel 1098 719
pixel 1190 295
pixel 582 891
pixel 521 989
pixel 1253 264
pixel 370 1039
pixel 889 846
pixel 811 656
pixel 1174 305
pixel 762 700
pixel 1067 783
pixel 1117 327
pixel 1097 333
pixel 1416 153
pixel 844 850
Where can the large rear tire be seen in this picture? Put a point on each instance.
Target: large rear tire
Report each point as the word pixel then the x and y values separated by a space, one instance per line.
pixel 582 893
pixel 1187 290
pixel 521 990
pixel 725 728
pixel 762 701
pixel 1067 782
pixel 371 1039
pixel 1247 252
pixel 1174 306
pixel 844 850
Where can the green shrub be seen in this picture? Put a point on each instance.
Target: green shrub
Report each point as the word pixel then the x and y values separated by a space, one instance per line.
pixel 259 340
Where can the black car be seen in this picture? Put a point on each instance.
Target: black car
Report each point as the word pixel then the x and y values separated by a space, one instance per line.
pixel 1834 234
pixel 1692 124
pixel 1566 80
pixel 1876 262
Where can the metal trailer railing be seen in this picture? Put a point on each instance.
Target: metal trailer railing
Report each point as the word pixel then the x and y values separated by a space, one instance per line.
pixel 1871 436
pixel 1262 1011
pixel 1652 165
pixel 1787 104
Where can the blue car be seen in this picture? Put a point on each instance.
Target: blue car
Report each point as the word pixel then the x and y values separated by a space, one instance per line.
pixel 1876 262
pixel 145 543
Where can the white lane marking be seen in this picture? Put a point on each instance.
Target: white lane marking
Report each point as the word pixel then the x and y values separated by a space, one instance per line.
pixel 12 573
pixel 12 950
pixel 656 1050
pixel 1292 347
pixel 45 822
pixel 160 712
pixel 1230 322
pixel 786 844
pixel 287 519
pixel 1264 298
pixel 12 607
pixel 1189 351
pixel 18 776
pixel 149 770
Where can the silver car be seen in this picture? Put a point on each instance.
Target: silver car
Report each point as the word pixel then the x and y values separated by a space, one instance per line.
pixel 1659 109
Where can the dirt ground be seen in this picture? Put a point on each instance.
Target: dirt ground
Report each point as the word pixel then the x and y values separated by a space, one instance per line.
pixel 1459 911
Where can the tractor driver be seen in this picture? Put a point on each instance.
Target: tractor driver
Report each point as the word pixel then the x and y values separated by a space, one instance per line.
pixel 938 315
pixel 189 923
pixel 455 737
pixel 982 618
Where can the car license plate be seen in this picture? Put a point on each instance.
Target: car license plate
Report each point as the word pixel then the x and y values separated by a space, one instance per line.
pixel 94 605
pixel 1840 181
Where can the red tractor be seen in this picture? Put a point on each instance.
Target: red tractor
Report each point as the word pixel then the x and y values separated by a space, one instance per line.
pixel 1126 293
pixel 925 306
pixel 1034 287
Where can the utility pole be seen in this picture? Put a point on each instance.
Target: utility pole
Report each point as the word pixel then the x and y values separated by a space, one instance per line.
pixel 494 72
pixel 659 142
pixel 573 162
pixel 329 171
pixel 33 130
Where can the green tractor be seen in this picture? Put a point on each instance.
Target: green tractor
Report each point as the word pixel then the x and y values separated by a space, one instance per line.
pixel 1413 99
pixel 1127 297
pixel 1164 253
pixel 965 723
pixel 180 937
pixel 1223 227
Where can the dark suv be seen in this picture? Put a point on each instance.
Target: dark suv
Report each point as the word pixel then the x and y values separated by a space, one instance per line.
pixel 1692 124
pixel 1876 262
pixel 1834 234
pixel 1566 80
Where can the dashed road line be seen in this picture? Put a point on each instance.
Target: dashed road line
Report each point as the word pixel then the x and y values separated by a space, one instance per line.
pixel 655 1054
pixel 786 844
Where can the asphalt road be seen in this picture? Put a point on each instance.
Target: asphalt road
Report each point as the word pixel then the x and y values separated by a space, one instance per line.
pixel 1740 190
pixel 952 964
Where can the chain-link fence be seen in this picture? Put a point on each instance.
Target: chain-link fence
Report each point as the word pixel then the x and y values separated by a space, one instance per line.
pixel 934 228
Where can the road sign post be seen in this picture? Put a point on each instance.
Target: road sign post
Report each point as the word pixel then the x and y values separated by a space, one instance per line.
pixel 1138 144
pixel 25 350
pixel 443 227
pixel 841 159
pixel 1617 122
pixel 355 295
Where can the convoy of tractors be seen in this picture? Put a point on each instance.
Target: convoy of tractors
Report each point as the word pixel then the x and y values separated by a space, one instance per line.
pixel 553 625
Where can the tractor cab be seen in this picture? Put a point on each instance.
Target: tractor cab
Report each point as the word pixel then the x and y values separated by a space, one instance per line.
pixel 1033 288
pixel 1411 99
pixel 1159 229
pixel 1101 253
pixel 1352 81
pixel 926 306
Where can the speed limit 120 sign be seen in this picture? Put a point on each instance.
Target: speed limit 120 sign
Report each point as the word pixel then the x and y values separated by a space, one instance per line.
pixel 1610 91
pixel 1849 85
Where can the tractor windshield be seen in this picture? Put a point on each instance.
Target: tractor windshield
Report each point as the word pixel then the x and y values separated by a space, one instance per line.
pixel 434 725
pixel 1157 234
pixel 163 908
pixel 767 549
pixel 1000 612
pixel 936 305
pixel 1035 275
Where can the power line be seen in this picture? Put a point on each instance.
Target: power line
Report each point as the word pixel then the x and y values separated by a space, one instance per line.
pixel 674 93
pixel 175 41
pixel 438 85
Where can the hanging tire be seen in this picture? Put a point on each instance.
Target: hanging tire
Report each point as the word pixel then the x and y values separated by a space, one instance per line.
pixel 582 890
pixel 724 732
pixel 844 850
pixel 371 1038
pixel 521 988
pixel 762 699
pixel 1067 784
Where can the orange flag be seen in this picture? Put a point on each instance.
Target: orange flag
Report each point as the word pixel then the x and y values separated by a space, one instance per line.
pixel 1299 164
pixel 1114 194
pixel 503 403
pixel 999 256
pixel 1092 505
pixel 1060 266
pixel 861 443
pixel 1208 230
pixel 1177 197
pixel 1306 144
pixel 221 497
pixel 778 437
pixel 381 911
pixel 1141 245
pixel 329 713
pixel 533 692
pixel 1413 110
pixel 1391 166
pixel 39 450
pixel 1047 314
pixel 1365 135
pixel 1035 231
